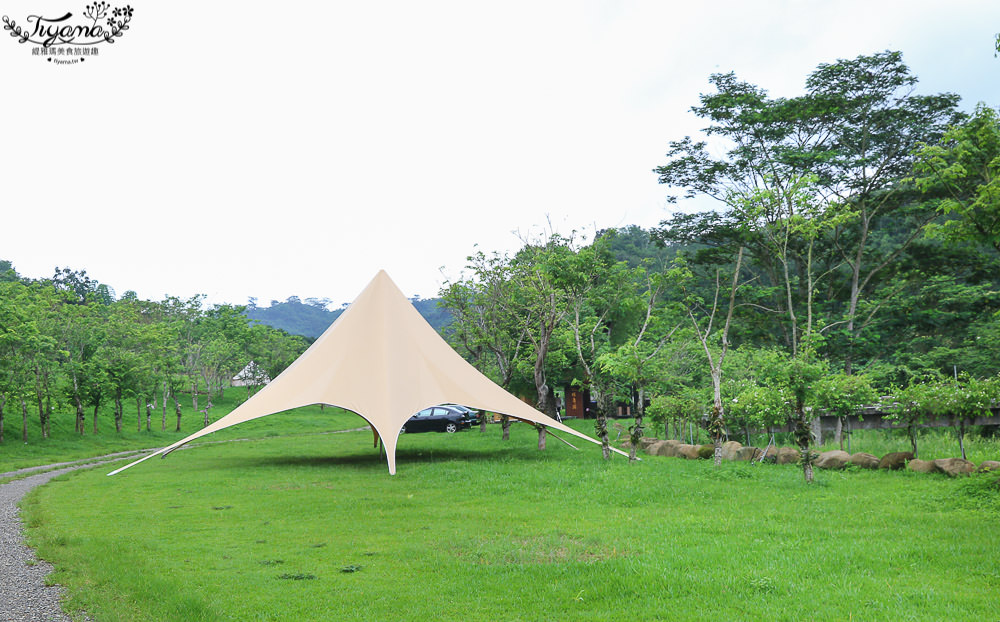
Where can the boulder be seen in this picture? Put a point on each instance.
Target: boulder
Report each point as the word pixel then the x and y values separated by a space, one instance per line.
pixel 954 466
pixel 989 465
pixel 730 449
pixel 771 454
pixel 689 451
pixel 646 441
pixel 921 466
pixel 668 448
pixel 835 459
pixel 788 455
pixel 706 452
pixel 653 449
pixel 865 461
pixel 895 460
pixel 747 454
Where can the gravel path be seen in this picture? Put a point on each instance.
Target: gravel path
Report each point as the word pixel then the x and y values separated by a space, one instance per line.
pixel 24 597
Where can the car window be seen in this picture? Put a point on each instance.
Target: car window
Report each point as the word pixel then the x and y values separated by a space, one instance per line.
pixel 424 413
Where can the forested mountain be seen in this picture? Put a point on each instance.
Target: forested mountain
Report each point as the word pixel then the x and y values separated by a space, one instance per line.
pixel 312 317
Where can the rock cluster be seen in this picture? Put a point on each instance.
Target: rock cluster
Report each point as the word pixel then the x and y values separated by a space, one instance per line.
pixel 836 459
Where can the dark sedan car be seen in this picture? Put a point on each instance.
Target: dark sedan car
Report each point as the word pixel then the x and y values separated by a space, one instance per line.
pixel 439 419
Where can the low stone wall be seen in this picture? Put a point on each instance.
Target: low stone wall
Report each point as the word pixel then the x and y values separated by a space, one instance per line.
pixel 836 459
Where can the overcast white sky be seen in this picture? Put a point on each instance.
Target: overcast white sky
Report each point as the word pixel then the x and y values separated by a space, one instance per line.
pixel 241 149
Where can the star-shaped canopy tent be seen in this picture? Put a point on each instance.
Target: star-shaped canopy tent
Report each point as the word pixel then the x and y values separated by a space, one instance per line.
pixel 383 361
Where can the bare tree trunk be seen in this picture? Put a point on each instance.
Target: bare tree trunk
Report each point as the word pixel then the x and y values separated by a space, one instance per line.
pixel 803 435
pixel 166 395
pixel 545 402
pixel 48 405
pixel 912 433
pixel 482 422
pixel 3 401
pixel 194 395
pixel 807 467
pixel 716 424
pixel 505 426
pixel 41 415
pixel 138 414
pixel 208 407
pixel 24 420
pixel 149 417
pixel 177 410
pixel 605 404
pixel 41 405
pixel 81 418
pixel 95 416
pixel 961 437
pixel 601 427
pixel 119 412
pixel 637 428
pixel 852 307
pixel 635 432
pixel 542 436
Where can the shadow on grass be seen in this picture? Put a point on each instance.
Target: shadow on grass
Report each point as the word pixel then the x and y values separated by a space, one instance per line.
pixel 376 460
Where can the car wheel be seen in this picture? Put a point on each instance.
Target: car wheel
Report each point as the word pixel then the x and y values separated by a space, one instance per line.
pixel 451 427
pixel 402 430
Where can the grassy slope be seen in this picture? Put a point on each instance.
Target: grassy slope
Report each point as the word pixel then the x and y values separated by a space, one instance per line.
pixel 472 528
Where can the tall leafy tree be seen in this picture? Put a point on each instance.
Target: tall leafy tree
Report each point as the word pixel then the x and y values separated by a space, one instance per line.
pixel 80 338
pixel 961 172
pixel 636 362
pixel 705 317
pixel 599 295
pixel 852 135
pixel 540 272
pixel 488 323
pixel 872 121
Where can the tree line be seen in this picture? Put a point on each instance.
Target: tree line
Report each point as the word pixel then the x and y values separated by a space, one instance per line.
pixel 853 252
pixel 66 343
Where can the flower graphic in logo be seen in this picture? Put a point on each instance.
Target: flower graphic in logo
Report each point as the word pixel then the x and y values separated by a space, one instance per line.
pixel 93 27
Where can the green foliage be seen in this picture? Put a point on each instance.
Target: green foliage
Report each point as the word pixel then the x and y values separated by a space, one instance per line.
pixel 981 492
pixel 962 174
pixel 842 395
pixel 760 406
pixel 294 316
pixel 685 405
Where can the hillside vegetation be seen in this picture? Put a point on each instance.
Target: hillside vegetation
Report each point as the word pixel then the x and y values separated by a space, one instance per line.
pixel 311 318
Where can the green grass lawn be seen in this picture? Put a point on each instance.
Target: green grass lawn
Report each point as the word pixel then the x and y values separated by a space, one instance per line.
pixel 65 444
pixel 313 527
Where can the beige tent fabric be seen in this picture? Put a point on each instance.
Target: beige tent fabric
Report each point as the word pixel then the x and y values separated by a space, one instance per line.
pixel 383 361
